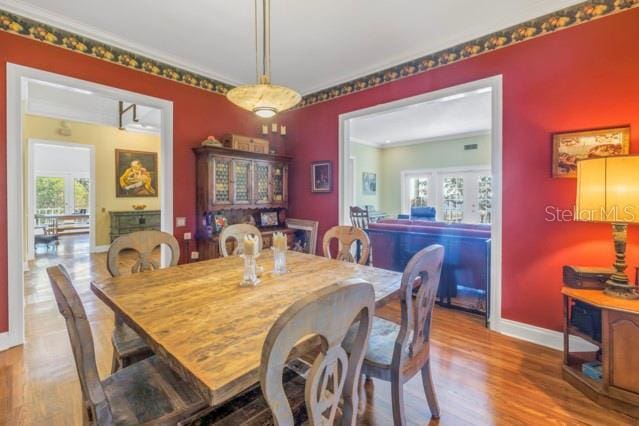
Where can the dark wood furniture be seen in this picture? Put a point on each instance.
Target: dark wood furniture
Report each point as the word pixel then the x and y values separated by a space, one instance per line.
pixel 246 143
pixel 128 347
pixel 229 180
pixel 125 222
pixel 396 353
pixel 148 392
pixel 619 346
pixel 359 217
pixel 346 236
pixel 199 308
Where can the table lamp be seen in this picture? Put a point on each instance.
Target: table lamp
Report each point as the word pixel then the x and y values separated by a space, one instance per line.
pixel 608 191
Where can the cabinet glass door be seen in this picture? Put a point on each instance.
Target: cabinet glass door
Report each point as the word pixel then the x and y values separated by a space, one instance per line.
pixel 241 182
pixel 279 187
pixel 262 195
pixel 221 181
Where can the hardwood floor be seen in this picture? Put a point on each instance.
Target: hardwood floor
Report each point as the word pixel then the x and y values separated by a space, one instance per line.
pixel 481 377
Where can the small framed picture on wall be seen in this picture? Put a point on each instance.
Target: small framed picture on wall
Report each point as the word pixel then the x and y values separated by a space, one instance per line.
pixel 321 176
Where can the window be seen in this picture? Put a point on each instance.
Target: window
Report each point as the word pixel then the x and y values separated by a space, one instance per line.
pixel 459 196
pixel 62 194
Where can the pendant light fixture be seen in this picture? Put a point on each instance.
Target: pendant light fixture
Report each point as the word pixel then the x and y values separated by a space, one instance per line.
pixel 264 99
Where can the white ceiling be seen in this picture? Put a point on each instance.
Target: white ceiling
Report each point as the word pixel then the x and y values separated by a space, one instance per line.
pixel 315 44
pixel 457 115
pixel 67 103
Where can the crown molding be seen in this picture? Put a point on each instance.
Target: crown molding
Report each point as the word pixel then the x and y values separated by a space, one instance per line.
pixel 568 17
pixel 31 22
pixel 73 26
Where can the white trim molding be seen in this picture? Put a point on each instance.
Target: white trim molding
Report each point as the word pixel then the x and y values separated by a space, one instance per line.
pixel 15 177
pixel 495 83
pixel 101 249
pixel 542 336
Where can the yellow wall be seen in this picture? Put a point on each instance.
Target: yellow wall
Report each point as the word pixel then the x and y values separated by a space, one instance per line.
pixel 105 140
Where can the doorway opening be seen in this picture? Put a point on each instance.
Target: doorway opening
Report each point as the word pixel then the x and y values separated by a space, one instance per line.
pixel 432 163
pixel 75 162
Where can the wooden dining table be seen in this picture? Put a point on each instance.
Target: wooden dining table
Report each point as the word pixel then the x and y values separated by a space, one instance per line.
pixel 198 319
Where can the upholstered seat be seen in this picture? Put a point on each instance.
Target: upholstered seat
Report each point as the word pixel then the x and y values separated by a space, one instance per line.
pixel 381 343
pixel 149 391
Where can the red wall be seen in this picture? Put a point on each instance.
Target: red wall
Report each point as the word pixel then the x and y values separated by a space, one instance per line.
pixel 583 77
pixel 197 114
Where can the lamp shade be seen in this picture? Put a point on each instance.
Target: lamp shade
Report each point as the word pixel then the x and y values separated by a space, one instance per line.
pixel 608 190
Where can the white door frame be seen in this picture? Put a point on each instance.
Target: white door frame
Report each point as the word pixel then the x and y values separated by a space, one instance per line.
pixel 495 83
pixel 15 179
pixel 31 183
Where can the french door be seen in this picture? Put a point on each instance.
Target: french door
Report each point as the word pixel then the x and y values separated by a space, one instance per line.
pixel 61 193
pixel 458 196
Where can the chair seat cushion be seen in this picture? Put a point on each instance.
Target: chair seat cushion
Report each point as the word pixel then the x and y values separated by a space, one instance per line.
pixel 127 343
pixel 150 390
pixel 381 342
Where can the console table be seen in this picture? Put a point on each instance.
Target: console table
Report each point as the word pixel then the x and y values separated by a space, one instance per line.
pixel 125 222
pixel 619 387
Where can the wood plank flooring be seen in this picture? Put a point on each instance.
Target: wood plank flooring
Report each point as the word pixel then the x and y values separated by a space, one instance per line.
pixel 481 377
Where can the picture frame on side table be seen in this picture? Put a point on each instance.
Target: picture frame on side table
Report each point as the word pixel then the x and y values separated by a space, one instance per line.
pixel 305 238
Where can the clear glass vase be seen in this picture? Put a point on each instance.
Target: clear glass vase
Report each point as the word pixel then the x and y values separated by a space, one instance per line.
pixel 250 271
pixel 279 259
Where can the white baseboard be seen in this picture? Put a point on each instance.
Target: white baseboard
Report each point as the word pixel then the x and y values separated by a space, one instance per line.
pixel 5 341
pixel 542 336
pixel 101 249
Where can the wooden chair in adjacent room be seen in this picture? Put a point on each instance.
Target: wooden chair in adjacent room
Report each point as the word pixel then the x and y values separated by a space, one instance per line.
pixel 147 392
pixel 397 352
pixel 359 217
pixel 286 398
pixel 238 232
pixel 128 347
pixel 346 236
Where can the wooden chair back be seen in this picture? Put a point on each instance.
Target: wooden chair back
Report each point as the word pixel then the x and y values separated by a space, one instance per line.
pixel 359 217
pixel 71 308
pixel 423 270
pixel 346 236
pixel 143 242
pixel 238 232
pixel 327 313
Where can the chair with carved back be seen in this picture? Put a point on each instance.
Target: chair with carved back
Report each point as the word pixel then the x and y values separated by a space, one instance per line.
pixel 128 347
pixel 147 392
pixel 346 236
pixel 284 397
pixel 359 217
pixel 238 232
pixel 397 352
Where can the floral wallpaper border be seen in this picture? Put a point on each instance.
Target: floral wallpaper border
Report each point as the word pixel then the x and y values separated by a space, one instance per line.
pixel 25 27
pixel 565 18
pixel 568 17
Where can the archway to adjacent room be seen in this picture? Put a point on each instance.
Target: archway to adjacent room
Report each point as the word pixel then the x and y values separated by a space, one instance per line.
pixel 17 79
pixel 488 93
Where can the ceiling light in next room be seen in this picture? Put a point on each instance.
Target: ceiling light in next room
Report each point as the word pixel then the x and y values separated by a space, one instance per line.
pixel 264 99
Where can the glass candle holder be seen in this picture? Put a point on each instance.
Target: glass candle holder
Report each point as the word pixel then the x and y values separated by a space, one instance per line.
pixel 279 259
pixel 250 271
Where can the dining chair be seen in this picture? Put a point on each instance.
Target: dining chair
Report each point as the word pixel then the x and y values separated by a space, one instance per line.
pixel 128 347
pixel 359 217
pixel 286 398
pixel 346 236
pixel 397 352
pixel 147 392
pixel 238 232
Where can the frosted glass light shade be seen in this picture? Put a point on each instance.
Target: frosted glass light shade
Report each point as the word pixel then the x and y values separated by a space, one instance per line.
pixel 608 190
pixel 264 99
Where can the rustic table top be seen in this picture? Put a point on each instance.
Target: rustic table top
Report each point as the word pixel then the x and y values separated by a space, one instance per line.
pixel 601 300
pixel 211 330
